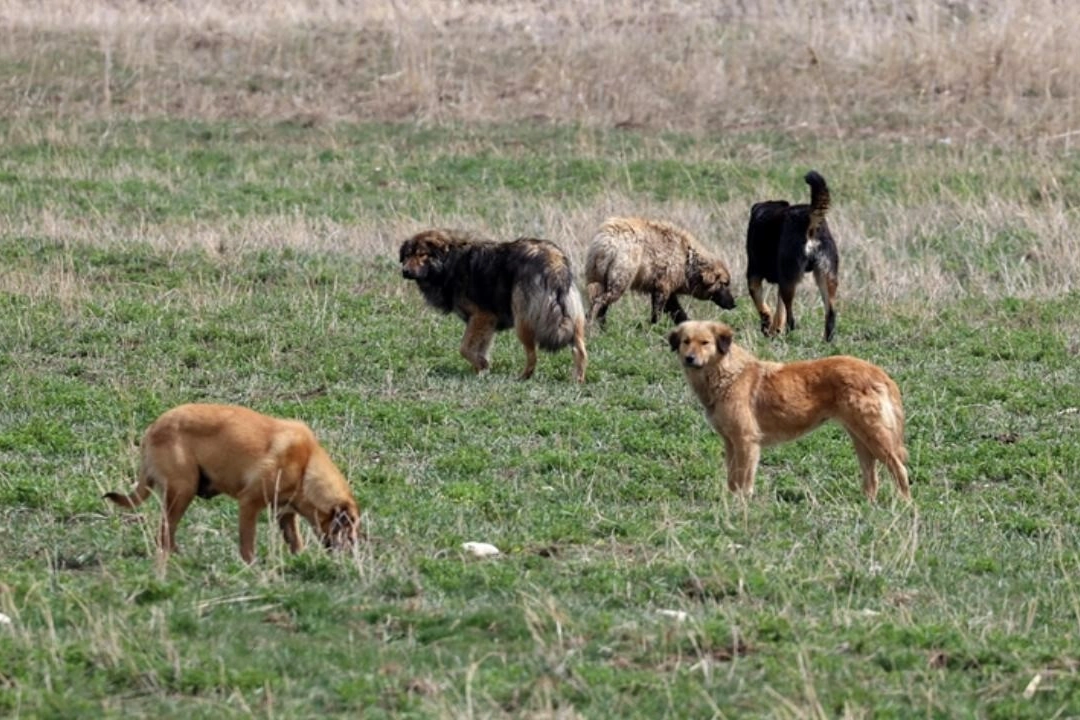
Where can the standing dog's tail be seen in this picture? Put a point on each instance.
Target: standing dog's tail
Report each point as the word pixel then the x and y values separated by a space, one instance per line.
pixel 136 498
pixel 819 200
pixel 554 307
pixel 546 304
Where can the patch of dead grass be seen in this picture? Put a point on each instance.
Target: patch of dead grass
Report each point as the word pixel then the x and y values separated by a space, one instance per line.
pixel 994 71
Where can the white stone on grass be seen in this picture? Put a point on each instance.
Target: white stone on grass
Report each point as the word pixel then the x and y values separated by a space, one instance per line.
pixel 480 549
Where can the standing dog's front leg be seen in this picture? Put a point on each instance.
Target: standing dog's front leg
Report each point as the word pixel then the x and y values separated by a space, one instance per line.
pixel 658 302
pixel 476 344
pixel 290 531
pixel 249 518
pixel 742 457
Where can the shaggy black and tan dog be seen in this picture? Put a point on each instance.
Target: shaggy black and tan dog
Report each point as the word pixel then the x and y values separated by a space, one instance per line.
pixel 783 243
pixel 655 258
pixel 526 284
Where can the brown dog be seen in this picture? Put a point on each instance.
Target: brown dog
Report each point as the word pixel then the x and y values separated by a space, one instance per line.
pixel 751 403
pixel 261 461
pixel 655 258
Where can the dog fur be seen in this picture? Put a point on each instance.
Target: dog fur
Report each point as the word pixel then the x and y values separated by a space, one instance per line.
pixel 783 243
pixel 526 284
pixel 655 258
pixel 752 403
pixel 205 450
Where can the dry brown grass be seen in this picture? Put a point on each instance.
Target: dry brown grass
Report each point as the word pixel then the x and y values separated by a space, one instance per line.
pixel 968 72
pixel 971 68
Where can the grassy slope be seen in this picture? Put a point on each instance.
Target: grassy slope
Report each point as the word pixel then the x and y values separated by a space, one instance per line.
pixel 607 499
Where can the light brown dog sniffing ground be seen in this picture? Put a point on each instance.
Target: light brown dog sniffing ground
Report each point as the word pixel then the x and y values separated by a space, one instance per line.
pixel 655 258
pixel 205 450
pixel 752 403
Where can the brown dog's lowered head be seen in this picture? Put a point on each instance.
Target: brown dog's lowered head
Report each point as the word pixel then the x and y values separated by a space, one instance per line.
pixel 700 343
pixel 340 528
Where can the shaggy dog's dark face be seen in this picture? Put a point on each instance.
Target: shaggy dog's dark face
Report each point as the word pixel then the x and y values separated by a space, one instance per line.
pixel 422 256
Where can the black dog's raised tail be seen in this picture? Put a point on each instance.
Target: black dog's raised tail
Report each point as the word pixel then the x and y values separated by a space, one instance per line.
pixel 819 199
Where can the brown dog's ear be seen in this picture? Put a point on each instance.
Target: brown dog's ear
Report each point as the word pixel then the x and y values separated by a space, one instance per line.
pixel 673 339
pixel 341 520
pixel 342 529
pixel 723 335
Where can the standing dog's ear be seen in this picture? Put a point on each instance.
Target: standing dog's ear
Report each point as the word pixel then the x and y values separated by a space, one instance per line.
pixel 723 334
pixel 673 339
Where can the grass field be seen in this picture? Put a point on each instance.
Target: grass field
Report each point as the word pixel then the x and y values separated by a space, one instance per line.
pixel 151 257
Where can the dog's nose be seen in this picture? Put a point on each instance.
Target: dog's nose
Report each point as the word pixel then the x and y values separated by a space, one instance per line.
pixel 690 360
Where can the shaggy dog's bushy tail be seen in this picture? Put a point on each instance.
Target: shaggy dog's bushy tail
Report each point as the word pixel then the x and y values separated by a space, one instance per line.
pixel 819 199
pixel 551 304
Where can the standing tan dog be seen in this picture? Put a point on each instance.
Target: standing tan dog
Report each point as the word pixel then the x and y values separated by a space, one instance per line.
pixel 261 461
pixel 655 258
pixel 751 403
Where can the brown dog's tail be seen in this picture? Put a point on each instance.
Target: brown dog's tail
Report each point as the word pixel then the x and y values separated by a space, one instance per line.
pixel 135 499
pixel 819 200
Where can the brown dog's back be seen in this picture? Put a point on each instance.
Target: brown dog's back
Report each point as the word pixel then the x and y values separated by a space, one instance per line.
pixel 802 395
pixel 225 444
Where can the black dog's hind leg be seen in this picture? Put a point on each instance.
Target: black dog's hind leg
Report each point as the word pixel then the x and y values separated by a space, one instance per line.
pixel 827 283
pixel 757 294
pixel 784 312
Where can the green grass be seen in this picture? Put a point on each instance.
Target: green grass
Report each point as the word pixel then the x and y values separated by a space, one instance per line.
pixel 608 499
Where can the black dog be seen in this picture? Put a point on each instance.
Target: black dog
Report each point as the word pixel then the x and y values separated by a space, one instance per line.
pixel 783 243
pixel 526 284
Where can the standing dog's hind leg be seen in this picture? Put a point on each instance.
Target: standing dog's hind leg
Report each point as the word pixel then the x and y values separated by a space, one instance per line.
pixel 868 466
pixel 527 336
pixel 581 357
pixel 757 294
pixel 827 283
pixel 175 504
pixel 785 309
